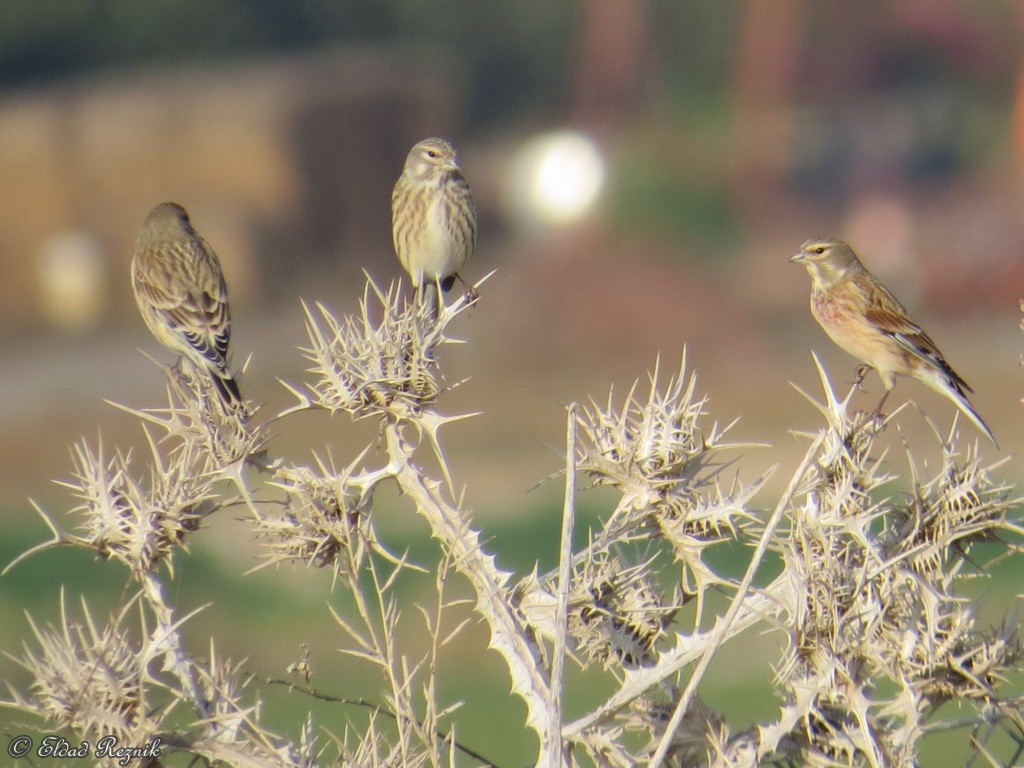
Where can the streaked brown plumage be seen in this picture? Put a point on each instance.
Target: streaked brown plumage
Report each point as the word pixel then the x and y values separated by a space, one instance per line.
pixel 433 219
pixel 180 290
pixel 866 320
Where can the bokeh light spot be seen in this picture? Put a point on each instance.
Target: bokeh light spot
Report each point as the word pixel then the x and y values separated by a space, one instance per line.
pixel 555 178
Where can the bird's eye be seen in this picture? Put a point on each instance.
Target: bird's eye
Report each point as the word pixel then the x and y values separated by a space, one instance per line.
pixel 432 154
pixel 819 250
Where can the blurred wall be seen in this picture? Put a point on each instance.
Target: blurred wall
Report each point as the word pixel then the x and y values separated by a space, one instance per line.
pixel 278 163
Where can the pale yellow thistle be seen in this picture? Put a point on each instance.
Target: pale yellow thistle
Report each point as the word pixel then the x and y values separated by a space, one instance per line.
pixel 433 219
pixel 180 289
pixel 866 320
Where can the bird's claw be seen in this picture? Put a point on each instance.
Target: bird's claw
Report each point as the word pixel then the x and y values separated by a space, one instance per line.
pixel 859 374
pixel 177 372
pixel 870 420
pixel 469 292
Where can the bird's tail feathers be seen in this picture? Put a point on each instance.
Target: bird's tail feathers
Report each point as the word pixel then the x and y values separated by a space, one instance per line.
pixel 951 389
pixel 429 295
pixel 230 394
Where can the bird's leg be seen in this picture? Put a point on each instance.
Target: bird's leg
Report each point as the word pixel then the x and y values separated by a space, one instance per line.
pixel 417 297
pixel 177 372
pixel 440 306
pixel 877 414
pixel 470 292
pixel 428 296
pixel 859 374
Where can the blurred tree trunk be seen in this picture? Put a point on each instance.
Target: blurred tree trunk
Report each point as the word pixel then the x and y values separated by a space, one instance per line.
pixel 1018 109
pixel 614 62
pixel 770 41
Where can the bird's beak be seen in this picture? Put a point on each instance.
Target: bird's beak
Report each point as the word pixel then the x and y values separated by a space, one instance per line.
pixel 798 258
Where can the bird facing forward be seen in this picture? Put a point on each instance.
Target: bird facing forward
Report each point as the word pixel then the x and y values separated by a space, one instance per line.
pixel 865 320
pixel 182 296
pixel 433 219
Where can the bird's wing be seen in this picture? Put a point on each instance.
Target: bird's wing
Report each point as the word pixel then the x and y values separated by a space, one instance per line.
pixel 191 295
pixel 465 198
pixel 890 317
pixel 404 226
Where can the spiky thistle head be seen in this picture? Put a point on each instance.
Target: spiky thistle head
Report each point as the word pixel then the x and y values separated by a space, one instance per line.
pixel 140 525
pixel 616 613
pixel 691 741
pixel 197 417
pixel 90 679
pixel 651 449
pixel 944 516
pixel 325 521
pixel 377 367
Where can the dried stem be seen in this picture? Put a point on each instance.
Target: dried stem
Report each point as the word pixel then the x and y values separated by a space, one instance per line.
pixel 869 608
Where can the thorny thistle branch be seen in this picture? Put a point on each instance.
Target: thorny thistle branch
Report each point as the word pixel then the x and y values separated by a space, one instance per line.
pixel 857 572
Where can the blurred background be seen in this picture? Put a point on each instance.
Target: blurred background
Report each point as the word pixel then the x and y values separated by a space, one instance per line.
pixel 642 169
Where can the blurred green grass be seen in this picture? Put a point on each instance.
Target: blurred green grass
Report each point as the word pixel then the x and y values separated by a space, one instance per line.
pixel 654 199
pixel 260 618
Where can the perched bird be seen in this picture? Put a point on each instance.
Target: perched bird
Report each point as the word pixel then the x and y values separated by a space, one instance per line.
pixel 433 219
pixel 865 319
pixel 182 296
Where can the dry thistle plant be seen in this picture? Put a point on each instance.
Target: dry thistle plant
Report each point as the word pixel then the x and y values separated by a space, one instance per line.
pixel 857 571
